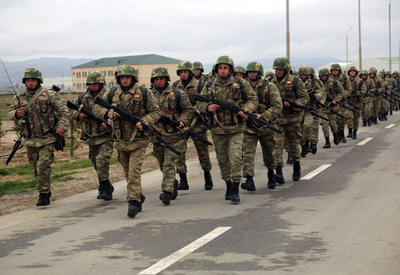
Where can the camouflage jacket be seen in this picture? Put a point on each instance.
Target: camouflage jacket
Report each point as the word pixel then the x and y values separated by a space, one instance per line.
pixel 334 89
pixel 234 91
pixel 174 104
pixel 316 91
pixel 202 81
pixel 138 102
pixel 91 131
pixel 370 86
pixel 345 81
pixel 191 89
pixel 269 105
pixel 292 88
pixel 45 115
pixel 358 89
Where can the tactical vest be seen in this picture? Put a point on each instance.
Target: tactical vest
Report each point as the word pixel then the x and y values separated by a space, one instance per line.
pixel 264 102
pixel 331 89
pixel 170 106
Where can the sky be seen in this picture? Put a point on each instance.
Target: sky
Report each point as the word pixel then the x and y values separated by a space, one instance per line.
pixel 194 30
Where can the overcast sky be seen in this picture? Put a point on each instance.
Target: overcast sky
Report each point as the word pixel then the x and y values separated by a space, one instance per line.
pixel 194 30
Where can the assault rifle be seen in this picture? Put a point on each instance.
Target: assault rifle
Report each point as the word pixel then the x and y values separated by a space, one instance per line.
pixel 252 118
pixel 311 110
pixel 86 112
pixel 346 107
pixel 175 124
pixel 125 115
pixel 331 110
pixel 201 118
pixel 16 147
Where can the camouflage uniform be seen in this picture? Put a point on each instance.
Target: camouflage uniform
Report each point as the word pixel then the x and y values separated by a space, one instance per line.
pixel 130 142
pixel 334 92
pixel 202 78
pixel 98 138
pixel 358 89
pixel 269 107
pixel 376 102
pixel 227 127
pixel 345 82
pixel 240 72
pixel 367 100
pixel 293 89
pixel 44 115
pixel 174 104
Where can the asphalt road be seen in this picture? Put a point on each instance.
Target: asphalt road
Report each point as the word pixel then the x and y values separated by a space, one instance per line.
pixel 343 220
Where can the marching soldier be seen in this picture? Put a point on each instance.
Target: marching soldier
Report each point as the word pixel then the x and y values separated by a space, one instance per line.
pixel 130 139
pixel 46 118
pixel 367 101
pixel 378 91
pixel 97 136
pixel 198 71
pixel 358 90
pixel 239 72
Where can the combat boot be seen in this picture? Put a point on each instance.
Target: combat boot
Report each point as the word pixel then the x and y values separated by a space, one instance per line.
pixel 289 159
pixel 235 193
pixel 364 123
pixel 327 143
pixel 248 184
pixel 354 134
pixel 183 184
pixel 305 149
pixel 385 117
pixel 228 193
pixel 296 171
pixel 375 121
pixel 343 138
pixel 279 175
pixel 165 197
pixel 134 207
pixel 369 122
pixel 313 148
pixel 102 187
pixel 350 133
pixel 142 199
pixel 44 199
pixel 336 139
pixel 174 193
pixel 380 117
pixel 108 191
pixel 208 183
pixel 271 179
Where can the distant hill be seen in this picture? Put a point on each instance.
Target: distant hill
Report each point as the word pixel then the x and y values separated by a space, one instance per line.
pixel 49 66
pixel 314 62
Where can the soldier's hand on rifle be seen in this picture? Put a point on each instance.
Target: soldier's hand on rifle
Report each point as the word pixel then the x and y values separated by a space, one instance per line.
pixel 181 126
pixel 20 112
pixel 60 132
pixel 212 108
pixel 286 104
pixel 139 125
pixel 103 125
pixel 82 116
pixel 116 116
pixel 258 116
pixel 243 114
pixel 333 102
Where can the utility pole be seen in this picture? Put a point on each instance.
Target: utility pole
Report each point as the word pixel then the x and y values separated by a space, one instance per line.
pixel 347 47
pixel 287 31
pixel 359 36
pixel 390 38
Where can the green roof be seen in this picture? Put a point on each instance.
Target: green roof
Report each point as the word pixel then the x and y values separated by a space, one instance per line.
pixel 386 59
pixel 129 60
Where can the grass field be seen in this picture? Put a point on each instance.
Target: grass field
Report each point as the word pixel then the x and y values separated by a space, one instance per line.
pixel 5 101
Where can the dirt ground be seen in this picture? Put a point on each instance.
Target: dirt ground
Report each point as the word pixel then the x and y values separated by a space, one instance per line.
pixel 85 179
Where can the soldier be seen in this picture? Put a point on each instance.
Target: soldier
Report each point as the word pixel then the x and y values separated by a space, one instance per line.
pixel 334 92
pixel 192 88
pixel 337 74
pixel 130 139
pixel 198 71
pixel 269 76
pixel 291 88
pixel 269 108
pixel 46 118
pixel 367 98
pixel 396 88
pixel 358 89
pixel 239 72
pixel 310 122
pixel 391 87
pixel 378 91
pixel 174 104
pixel 226 126
pixel 97 136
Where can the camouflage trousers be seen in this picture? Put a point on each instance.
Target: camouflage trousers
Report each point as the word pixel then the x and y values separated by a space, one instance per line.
pixel 332 123
pixel 310 128
pixel 267 143
pixel 385 106
pixel 291 132
pixel 168 161
pixel 202 153
pixel 354 120
pixel 376 106
pixel 228 148
pixel 341 123
pixel 41 159
pixel 100 156
pixel 367 109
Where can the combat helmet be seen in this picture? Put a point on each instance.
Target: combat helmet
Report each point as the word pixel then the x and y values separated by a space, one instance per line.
pixel 240 69
pixel 126 70
pixel 159 72
pixel 363 72
pixel 336 66
pixel 255 67
pixel 395 72
pixel 373 70
pixel 95 78
pixel 323 71
pixel 282 63
pixel 224 59
pixel 303 70
pixel 352 68
pixel 184 66
pixel 311 71
pixel 32 73
pixel 198 65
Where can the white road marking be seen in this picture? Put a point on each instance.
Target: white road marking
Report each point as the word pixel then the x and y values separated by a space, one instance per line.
pixel 365 141
pixel 390 126
pixel 316 172
pixel 176 256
